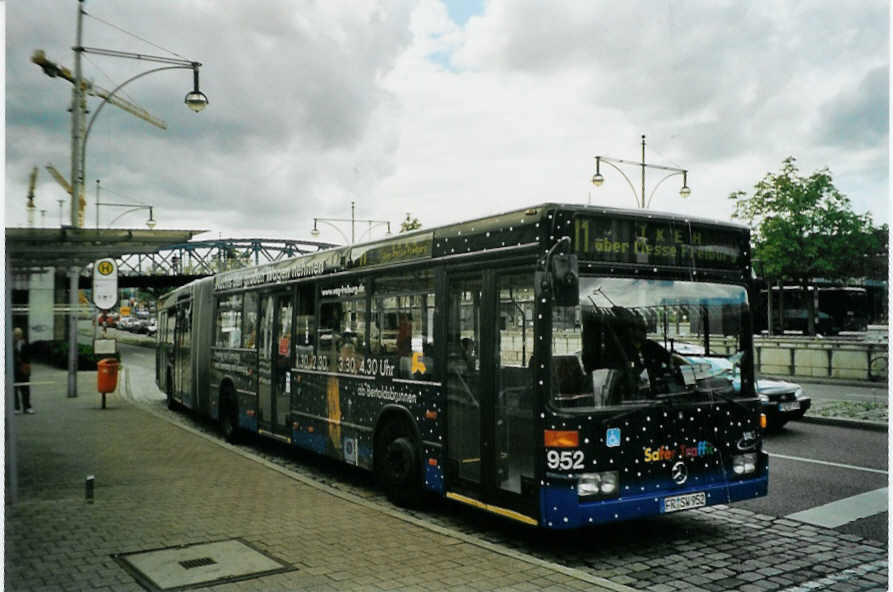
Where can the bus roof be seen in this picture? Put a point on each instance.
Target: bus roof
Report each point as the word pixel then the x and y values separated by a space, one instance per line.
pixel 512 230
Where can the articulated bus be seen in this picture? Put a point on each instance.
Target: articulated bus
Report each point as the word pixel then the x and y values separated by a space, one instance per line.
pixel 551 364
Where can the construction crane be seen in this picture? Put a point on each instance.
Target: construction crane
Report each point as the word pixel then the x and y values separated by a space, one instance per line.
pixel 53 70
pixel 82 203
pixel 30 206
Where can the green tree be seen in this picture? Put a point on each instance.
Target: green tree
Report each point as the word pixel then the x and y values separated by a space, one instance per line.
pixel 803 228
pixel 410 223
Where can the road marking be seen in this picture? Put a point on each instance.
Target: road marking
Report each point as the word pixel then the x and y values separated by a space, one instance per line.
pixel 827 463
pixel 844 576
pixel 845 510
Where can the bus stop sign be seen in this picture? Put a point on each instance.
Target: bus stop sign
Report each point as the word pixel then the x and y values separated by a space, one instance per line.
pixel 105 284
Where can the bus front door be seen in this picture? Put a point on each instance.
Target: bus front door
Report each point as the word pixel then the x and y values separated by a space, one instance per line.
pixel 483 468
pixel 274 361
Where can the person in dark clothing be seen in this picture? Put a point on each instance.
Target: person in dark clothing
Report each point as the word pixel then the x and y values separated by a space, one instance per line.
pixel 21 372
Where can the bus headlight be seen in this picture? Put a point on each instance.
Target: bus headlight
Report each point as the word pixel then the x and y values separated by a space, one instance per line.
pixel 744 464
pixel 598 484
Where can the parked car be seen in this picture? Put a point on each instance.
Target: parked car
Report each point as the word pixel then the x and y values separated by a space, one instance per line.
pixel 782 401
pixel 152 327
pixel 125 323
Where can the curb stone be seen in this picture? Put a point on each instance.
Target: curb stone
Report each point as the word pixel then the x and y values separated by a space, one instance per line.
pixel 875 426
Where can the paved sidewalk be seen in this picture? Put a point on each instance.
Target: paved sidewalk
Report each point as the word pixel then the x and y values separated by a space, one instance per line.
pixel 158 485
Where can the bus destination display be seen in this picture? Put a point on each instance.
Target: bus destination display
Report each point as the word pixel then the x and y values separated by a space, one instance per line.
pixel 657 243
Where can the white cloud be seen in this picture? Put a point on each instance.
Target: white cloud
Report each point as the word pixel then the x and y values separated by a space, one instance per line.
pixel 400 109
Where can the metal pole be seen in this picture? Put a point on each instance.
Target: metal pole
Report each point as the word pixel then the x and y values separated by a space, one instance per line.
pixel 353 216
pixel 73 304
pixel 643 171
pixel 76 118
pixel 12 471
pixel 76 184
pixel 97 204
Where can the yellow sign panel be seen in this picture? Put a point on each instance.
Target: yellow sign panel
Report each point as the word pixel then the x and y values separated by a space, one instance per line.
pixel 124 311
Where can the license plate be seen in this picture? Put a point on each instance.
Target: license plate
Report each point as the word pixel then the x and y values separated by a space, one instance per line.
pixel 790 406
pixel 685 502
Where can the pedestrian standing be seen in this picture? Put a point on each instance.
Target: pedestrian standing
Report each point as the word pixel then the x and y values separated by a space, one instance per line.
pixel 21 372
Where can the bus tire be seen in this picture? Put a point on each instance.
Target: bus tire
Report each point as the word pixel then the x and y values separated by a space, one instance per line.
pixel 171 404
pixel 397 464
pixel 229 424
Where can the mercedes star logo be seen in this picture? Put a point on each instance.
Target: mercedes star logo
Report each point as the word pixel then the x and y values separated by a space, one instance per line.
pixel 679 473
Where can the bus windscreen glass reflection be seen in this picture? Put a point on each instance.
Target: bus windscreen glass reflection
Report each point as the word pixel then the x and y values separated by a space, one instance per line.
pixel 631 341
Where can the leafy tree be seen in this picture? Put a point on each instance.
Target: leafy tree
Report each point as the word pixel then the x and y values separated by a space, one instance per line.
pixel 410 223
pixel 804 228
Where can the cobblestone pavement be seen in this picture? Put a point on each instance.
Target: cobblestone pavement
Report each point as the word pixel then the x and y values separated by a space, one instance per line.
pixel 713 549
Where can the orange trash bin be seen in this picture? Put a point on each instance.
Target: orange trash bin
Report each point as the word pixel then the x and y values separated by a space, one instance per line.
pixel 106 375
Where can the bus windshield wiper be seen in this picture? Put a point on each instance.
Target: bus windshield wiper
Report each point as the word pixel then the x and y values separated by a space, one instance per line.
pixel 668 399
pixel 728 398
pixel 641 405
pixel 676 395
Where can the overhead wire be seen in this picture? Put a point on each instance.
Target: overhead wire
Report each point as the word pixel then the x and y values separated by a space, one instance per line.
pixel 134 35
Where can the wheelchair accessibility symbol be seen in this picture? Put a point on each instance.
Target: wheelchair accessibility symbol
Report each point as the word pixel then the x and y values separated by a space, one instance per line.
pixel 612 437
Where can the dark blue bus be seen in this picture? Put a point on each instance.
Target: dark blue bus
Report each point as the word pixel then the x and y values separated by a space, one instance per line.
pixel 532 364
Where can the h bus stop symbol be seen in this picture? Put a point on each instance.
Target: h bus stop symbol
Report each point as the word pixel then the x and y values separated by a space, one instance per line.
pixel 105 284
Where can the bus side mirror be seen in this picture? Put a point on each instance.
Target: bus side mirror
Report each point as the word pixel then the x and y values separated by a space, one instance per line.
pixel 565 280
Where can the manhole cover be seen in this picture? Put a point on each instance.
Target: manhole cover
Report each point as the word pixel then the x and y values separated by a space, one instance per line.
pixel 202 564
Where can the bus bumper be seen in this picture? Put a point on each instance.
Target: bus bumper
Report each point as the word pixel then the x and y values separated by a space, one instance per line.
pixel 561 508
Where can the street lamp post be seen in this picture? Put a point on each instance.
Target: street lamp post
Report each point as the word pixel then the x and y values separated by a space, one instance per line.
pixel 353 221
pixel 195 100
pixel 598 179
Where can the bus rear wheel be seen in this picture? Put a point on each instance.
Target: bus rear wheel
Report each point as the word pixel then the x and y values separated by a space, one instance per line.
pixel 171 404
pixel 229 425
pixel 397 464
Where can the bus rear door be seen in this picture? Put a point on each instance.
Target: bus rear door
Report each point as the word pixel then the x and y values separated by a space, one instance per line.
pixel 274 361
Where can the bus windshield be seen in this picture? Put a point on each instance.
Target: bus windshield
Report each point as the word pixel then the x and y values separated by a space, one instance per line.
pixel 633 341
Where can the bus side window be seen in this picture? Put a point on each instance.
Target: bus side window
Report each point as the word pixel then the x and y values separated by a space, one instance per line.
pixel 342 331
pixel 305 320
pixel 249 318
pixel 229 321
pixel 402 324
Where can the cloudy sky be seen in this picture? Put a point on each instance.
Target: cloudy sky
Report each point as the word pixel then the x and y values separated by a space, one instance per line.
pixel 446 109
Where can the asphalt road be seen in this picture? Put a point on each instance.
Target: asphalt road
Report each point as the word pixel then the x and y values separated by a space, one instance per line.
pixel 812 465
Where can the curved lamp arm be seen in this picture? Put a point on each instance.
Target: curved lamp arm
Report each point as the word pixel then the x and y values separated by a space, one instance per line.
pixel 375 224
pixel 150 222
pixel 106 100
pixel 315 220
pixel 635 194
pixel 650 197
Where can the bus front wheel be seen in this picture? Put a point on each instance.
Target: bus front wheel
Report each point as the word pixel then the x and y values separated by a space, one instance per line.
pixel 397 464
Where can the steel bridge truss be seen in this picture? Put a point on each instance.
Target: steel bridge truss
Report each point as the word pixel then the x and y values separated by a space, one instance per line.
pixel 197 258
